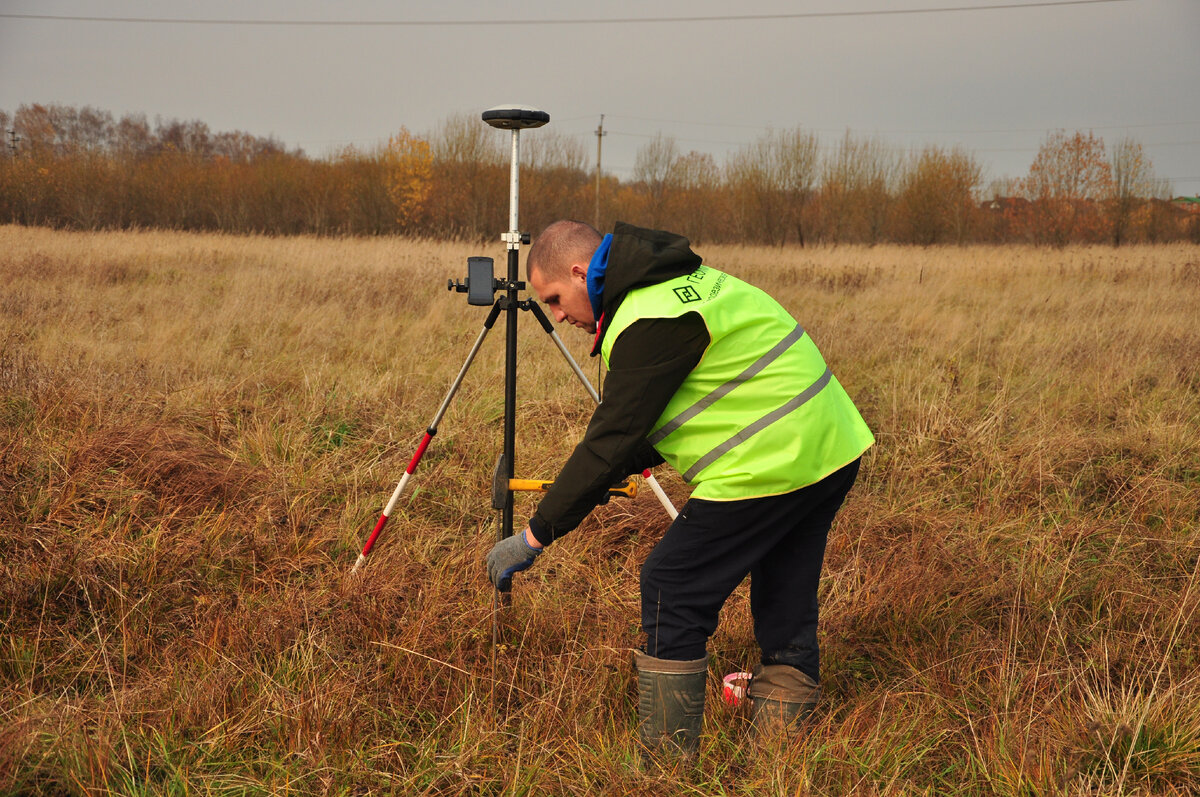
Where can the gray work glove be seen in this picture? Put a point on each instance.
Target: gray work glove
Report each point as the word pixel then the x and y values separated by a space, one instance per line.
pixel 510 555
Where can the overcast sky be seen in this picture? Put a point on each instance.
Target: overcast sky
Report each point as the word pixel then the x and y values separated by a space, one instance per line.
pixel 995 81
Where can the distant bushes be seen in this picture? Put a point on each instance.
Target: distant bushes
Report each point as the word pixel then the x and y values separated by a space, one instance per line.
pixel 80 168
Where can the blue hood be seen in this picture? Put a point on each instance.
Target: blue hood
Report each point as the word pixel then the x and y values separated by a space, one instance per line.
pixel 595 275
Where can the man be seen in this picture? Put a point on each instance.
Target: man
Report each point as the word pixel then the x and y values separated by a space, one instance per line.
pixel 713 376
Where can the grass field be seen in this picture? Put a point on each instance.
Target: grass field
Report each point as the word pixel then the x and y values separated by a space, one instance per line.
pixel 198 431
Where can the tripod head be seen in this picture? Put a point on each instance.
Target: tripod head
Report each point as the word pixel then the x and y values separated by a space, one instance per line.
pixel 481 284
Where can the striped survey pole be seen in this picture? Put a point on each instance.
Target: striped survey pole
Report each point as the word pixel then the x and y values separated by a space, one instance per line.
pixel 429 433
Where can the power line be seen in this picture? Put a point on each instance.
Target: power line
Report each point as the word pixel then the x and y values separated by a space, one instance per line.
pixel 833 146
pixel 347 23
pixel 1045 129
pixel 1172 143
pixel 685 122
pixel 909 130
pixel 677 138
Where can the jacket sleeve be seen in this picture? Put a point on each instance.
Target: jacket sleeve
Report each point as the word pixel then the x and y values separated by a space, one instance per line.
pixel 649 362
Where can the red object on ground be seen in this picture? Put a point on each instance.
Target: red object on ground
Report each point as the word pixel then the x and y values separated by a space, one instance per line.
pixel 735 685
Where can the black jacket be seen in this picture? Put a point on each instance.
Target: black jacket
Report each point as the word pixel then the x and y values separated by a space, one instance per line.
pixel 647 365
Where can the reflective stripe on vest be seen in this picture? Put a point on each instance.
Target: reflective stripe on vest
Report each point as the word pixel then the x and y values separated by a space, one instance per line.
pixel 757 426
pixel 711 398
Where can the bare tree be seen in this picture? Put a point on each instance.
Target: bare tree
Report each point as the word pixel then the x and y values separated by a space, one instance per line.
pixel 857 184
pixel 39 127
pixel 1133 183
pixel 772 180
pixel 240 147
pixel 840 176
pixel 880 182
pixel 550 150
pixel 698 180
pixel 190 138
pixel 462 138
pixel 654 171
pixel 937 196
pixel 132 137
pixel 91 130
pixel 795 154
pixel 554 179
pixel 469 186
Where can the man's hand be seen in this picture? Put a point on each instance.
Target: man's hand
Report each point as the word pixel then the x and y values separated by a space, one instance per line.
pixel 510 555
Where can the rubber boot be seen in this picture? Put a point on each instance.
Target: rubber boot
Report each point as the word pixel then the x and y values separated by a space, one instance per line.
pixel 670 708
pixel 781 697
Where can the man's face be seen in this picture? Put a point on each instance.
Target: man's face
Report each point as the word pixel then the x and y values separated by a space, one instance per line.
pixel 567 299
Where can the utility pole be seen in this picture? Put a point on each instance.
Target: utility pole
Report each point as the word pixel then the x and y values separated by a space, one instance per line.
pixel 600 134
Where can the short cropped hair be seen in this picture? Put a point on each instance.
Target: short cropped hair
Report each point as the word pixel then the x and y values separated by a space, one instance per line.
pixel 561 245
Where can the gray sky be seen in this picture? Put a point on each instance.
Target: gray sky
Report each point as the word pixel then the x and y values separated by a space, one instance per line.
pixel 994 81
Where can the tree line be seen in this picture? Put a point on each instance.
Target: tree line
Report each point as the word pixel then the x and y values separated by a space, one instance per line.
pixel 81 168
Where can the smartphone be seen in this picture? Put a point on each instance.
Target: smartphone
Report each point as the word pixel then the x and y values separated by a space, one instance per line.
pixel 481 281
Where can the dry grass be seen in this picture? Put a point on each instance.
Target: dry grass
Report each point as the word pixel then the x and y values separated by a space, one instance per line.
pixel 197 432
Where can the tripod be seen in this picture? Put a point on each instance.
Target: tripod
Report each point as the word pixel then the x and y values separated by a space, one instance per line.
pixel 481 287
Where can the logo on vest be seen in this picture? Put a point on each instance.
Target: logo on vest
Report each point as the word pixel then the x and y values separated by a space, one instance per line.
pixel 687 294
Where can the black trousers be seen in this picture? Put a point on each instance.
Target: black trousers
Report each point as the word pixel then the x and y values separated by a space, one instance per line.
pixel 779 541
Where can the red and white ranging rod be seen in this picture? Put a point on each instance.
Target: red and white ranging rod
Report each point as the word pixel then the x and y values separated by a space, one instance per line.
pixel 429 433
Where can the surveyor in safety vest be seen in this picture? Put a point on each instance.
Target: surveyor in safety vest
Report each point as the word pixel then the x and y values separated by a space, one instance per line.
pixel 713 376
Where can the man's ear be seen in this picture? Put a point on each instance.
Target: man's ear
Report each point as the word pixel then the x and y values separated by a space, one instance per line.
pixel 579 271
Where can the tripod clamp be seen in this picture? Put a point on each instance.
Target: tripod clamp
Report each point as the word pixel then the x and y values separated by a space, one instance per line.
pixel 482 285
pixel 498 285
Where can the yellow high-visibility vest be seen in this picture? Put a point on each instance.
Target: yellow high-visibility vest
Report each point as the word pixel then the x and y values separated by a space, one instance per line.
pixel 761 413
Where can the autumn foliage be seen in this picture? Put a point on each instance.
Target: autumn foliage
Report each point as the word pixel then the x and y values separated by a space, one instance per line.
pixel 409 164
pixel 1067 183
pixel 80 168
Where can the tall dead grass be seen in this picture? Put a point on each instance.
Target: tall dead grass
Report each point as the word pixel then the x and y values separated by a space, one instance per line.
pixel 197 431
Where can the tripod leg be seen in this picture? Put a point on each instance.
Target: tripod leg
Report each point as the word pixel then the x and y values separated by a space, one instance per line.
pixel 429 433
pixel 574 365
pixel 647 475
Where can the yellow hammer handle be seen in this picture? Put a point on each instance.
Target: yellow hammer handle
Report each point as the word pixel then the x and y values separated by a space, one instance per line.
pixel 627 488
